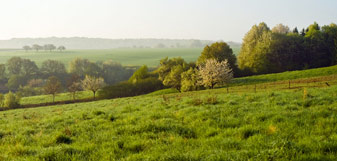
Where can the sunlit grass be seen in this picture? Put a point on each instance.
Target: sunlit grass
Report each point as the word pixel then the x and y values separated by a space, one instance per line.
pixel 267 125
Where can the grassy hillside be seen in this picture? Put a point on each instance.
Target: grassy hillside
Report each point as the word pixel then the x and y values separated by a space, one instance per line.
pixel 205 125
pixel 311 77
pixel 291 75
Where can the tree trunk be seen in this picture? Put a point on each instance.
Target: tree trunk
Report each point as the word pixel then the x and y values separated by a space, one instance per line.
pixel 53 98
pixel 94 94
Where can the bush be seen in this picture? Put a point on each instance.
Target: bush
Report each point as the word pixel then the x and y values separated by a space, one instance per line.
pixel 127 89
pixel 11 100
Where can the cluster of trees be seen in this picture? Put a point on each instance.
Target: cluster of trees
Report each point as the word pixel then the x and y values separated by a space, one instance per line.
pixel 214 67
pixel 279 49
pixel 141 82
pixel 46 47
pixel 24 76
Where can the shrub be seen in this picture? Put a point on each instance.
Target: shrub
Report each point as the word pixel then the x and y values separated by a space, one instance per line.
pixel 11 100
pixel 127 89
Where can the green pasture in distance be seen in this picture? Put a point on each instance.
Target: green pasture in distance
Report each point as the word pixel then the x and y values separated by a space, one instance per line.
pixel 127 56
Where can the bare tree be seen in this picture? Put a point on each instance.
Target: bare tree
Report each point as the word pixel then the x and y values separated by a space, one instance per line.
pixel 214 72
pixel 93 84
pixel 52 86
pixel 74 85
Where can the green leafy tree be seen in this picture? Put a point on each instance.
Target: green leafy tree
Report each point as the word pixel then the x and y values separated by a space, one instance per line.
pixel 167 64
pixel 173 79
pixel 29 68
pixel 252 55
pixel 189 80
pixel 93 69
pixel 219 51
pixel 11 100
pixel 330 39
pixel 15 81
pixel 53 68
pixel 114 72
pixel 52 86
pixel 83 67
pixel 14 66
pixel 140 74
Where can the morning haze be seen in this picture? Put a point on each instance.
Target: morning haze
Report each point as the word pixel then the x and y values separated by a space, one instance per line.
pixel 174 19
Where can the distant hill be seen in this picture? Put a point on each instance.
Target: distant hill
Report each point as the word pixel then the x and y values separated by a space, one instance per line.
pixel 100 43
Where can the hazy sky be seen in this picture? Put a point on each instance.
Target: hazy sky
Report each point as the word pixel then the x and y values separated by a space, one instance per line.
pixel 227 20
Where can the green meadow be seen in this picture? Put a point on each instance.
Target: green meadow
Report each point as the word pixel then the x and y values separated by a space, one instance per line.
pixel 271 123
pixel 127 57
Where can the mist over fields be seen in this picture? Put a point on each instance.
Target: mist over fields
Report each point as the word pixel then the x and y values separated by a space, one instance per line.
pixel 100 43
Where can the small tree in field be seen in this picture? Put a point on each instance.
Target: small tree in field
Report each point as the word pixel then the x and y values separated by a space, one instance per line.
pixel 61 48
pixel 26 48
pixel 52 86
pixel 11 100
pixel 74 85
pixel 93 84
pixel 214 72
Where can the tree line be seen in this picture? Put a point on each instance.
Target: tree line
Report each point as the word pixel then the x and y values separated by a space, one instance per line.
pixel 280 49
pixel 46 47
pixel 25 77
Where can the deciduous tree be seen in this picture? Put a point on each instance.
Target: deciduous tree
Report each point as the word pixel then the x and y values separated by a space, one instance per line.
pixel 26 48
pixel 218 51
pixel 93 84
pixel 52 86
pixel 215 73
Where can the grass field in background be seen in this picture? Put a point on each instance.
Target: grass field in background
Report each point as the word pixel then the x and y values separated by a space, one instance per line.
pixel 127 57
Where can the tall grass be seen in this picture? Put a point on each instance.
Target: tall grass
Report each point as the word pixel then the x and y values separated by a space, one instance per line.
pixel 266 125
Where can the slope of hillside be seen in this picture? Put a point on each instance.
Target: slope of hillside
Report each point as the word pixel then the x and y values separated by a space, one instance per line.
pixel 290 75
pixel 295 124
